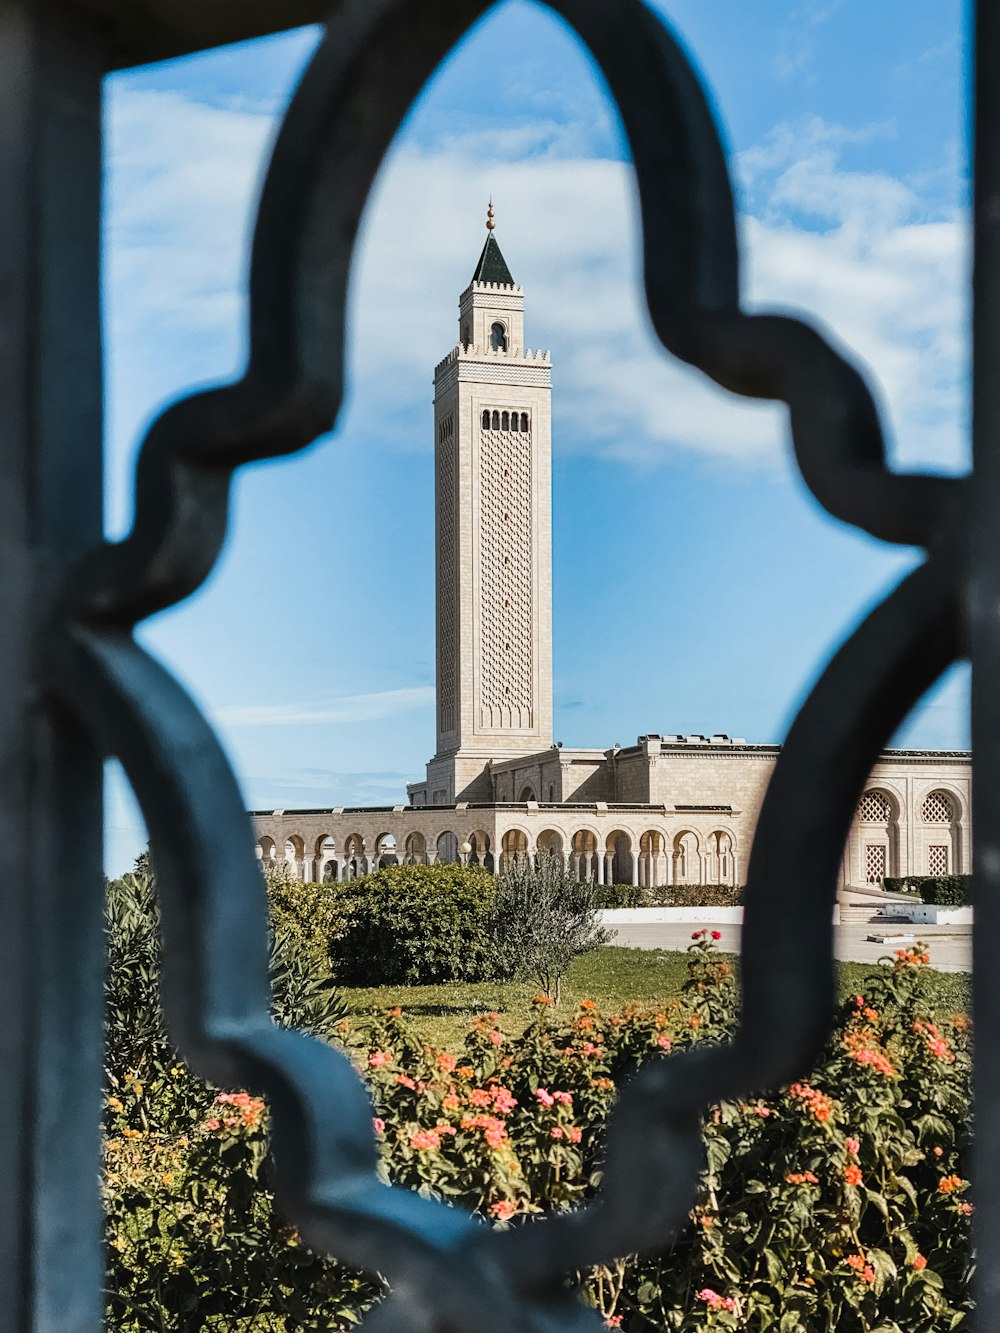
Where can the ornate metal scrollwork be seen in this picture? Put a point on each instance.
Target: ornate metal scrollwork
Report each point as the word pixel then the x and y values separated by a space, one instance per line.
pixel 446 1271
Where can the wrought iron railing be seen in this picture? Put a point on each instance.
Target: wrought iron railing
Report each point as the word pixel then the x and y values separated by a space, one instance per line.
pixel 76 687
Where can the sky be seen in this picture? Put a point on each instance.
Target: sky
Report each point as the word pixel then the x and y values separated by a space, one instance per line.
pixel 697 586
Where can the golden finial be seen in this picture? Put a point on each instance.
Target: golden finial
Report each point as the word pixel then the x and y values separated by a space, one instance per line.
pixel 490 224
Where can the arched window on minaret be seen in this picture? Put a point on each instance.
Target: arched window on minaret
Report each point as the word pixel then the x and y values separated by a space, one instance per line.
pixel 498 337
pixel 505 421
pixel 486 418
pixel 496 420
pixel 524 421
pixel 513 421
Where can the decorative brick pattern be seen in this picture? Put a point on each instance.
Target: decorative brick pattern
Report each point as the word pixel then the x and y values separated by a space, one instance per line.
pixel 937 809
pixel 447 578
pixel 937 860
pixel 874 809
pixel 506 591
pixel 875 863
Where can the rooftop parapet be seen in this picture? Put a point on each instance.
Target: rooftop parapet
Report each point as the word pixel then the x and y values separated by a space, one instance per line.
pixel 469 353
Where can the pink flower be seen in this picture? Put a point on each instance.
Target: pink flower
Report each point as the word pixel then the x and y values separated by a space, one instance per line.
pixel 555 1132
pixel 379 1058
pixel 545 1097
pixel 213 1124
pixel 379 1125
pixel 574 1133
pixel 405 1082
pixel 613 1321
pixel 495 1038
pixel 503 1209
pixel 852 1146
pixel 503 1100
pixel 664 1042
pixel 714 1301
pixel 425 1139
pixel 716 934
pixel 566 1098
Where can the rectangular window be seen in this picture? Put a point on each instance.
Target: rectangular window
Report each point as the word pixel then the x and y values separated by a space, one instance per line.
pixel 937 860
pixel 874 863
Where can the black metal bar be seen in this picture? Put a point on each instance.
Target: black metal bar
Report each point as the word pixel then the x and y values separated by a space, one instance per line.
pixel 983 594
pixel 51 943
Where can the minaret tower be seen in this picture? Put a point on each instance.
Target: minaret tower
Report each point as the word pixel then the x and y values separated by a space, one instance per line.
pixel 493 482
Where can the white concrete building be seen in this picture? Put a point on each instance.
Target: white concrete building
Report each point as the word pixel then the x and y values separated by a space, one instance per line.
pixel 669 809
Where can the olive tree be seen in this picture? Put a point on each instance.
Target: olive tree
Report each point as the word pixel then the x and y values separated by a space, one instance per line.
pixel 543 919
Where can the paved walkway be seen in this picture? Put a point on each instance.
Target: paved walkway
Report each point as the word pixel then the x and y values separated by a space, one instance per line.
pixel 950 946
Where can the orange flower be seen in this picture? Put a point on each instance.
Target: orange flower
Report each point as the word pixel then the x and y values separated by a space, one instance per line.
pixel 861 1266
pixel 588 1004
pixel 920 1263
pixel 503 1209
pixel 852 1175
pixel 814 1103
pixel 952 1185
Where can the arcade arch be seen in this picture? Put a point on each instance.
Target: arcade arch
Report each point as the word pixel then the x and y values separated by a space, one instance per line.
pixel 514 843
pixel 620 865
pixel 584 857
pixel 940 827
pixel 687 858
pixel 877 850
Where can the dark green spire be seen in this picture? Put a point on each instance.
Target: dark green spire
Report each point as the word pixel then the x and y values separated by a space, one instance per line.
pixel 492 266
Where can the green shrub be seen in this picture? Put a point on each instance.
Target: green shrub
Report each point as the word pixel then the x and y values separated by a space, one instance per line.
pixel 619 895
pixel 893 885
pixel 194 1242
pixel 697 895
pixel 415 925
pixel 543 918
pixel 939 890
pixel 839 1202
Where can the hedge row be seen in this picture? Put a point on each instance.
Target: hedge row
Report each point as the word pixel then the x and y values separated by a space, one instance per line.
pixel 838 1202
pixel 670 895
pixel 939 890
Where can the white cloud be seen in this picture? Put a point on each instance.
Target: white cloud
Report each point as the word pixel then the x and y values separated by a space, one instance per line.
pixel 858 252
pixel 348 708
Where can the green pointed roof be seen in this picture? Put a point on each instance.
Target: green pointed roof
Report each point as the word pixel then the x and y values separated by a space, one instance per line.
pixel 492 266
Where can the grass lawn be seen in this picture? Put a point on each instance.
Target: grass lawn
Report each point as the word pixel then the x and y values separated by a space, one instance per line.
pixel 612 976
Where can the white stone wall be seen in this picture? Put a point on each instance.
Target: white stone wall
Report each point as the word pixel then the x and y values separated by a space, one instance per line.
pixel 699 831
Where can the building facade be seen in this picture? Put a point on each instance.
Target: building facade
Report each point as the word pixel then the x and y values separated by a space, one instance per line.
pixel 668 810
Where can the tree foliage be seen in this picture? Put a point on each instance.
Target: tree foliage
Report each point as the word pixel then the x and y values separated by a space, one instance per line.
pixel 415 925
pixel 544 918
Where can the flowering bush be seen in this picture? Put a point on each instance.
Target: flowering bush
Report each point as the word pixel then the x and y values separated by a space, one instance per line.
pixel 838 1202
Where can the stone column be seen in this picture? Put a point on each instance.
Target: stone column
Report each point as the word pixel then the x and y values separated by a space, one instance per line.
pixel 635 868
pixel 600 867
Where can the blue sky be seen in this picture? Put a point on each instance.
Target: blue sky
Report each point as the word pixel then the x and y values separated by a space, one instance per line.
pixel 697 587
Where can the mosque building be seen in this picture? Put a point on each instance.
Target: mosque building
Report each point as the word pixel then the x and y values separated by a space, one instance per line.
pixel 669 809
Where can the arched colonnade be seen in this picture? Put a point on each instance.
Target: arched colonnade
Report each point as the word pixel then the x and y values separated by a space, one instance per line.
pixel 651 858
